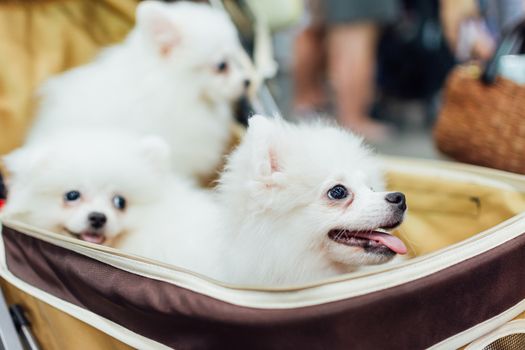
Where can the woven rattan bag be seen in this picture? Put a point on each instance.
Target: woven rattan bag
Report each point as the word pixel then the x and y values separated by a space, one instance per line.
pixel 482 120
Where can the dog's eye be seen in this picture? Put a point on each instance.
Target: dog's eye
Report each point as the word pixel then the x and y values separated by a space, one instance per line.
pixel 337 192
pixel 72 196
pixel 222 67
pixel 119 202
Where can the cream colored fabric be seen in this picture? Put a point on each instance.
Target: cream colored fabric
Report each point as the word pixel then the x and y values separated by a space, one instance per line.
pixel 41 38
pixel 442 212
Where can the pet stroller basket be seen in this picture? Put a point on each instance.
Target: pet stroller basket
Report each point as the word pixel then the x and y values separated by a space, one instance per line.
pixel 465 284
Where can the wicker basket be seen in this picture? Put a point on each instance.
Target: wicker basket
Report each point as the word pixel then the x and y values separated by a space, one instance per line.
pixel 483 124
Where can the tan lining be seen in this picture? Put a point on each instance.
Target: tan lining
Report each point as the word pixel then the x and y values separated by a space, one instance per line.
pixel 443 212
pixel 56 330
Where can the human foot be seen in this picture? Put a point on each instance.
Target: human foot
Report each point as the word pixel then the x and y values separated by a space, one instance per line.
pixel 372 131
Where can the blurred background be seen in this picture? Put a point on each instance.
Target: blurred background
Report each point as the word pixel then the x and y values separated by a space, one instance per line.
pixel 377 67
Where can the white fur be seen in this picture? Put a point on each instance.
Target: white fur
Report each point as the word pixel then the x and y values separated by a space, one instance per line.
pixel 99 165
pixel 181 229
pixel 161 80
pixel 166 218
pixel 275 206
pixel 268 224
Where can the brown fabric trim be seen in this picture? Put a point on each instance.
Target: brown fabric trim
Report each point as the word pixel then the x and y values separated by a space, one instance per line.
pixel 414 315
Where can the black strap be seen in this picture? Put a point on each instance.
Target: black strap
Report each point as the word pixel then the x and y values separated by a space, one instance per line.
pixel 3 191
pixel 510 43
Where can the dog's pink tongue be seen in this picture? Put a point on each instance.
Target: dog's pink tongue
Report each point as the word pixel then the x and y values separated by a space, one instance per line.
pixel 392 242
pixel 93 238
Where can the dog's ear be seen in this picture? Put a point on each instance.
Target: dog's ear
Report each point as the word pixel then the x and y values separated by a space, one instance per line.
pixel 267 143
pixel 153 18
pixel 156 151
pixel 12 163
pixel 25 160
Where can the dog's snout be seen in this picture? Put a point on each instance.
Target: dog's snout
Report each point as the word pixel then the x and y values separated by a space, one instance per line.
pixel 97 220
pixel 398 199
pixel 247 83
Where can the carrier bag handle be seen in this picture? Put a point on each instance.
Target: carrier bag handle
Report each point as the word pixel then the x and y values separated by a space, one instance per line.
pixel 24 326
pixel 510 42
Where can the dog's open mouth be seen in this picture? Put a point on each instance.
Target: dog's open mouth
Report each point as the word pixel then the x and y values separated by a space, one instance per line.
pixel 89 236
pixel 375 241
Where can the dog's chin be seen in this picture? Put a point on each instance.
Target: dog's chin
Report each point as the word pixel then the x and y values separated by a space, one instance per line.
pixel 364 247
pixel 96 237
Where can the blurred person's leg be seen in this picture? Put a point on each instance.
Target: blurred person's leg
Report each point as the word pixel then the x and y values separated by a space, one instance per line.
pixel 352 56
pixel 308 70
pixel 308 67
pixel 353 30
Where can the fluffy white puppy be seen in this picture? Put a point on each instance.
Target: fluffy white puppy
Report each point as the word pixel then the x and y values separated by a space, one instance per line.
pixel 91 185
pixel 176 76
pixel 117 189
pixel 302 203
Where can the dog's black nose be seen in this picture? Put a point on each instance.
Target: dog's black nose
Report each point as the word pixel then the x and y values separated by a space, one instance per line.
pixel 247 83
pixel 398 199
pixel 97 220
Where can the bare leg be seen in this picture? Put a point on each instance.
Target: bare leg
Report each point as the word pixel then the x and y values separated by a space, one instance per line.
pixel 351 67
pixel 308 70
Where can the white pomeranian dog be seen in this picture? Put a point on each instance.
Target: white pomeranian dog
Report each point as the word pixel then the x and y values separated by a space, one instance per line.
pixel 117 189
pixel 301 203
pixel 176 75
pixel 92 185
